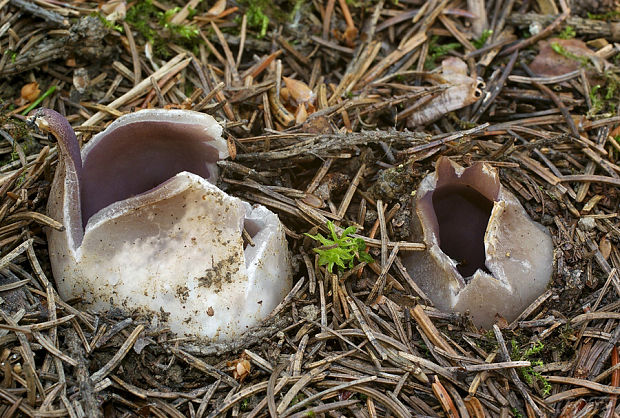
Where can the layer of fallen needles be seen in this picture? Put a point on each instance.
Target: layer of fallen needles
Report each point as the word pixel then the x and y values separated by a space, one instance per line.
pixel 319 102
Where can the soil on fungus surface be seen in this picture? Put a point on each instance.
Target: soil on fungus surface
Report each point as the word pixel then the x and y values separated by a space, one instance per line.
pixel 317 101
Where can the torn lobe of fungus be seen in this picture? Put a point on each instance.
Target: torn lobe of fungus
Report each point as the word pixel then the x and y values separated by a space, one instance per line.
pixel 70 165
pixel 147 230
pixel 484 255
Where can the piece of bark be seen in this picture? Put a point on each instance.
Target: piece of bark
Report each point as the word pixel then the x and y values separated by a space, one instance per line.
pixel 583 27
pixel 85 40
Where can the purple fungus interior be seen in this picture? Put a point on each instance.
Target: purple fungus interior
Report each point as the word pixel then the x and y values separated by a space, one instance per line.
pixel 137 157
pixel 462 215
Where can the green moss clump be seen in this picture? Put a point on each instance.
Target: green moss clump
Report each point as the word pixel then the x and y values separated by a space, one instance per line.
pixel 528 373
pixel 340 250
pixel 156 27
pixel 139 16
pixel 257 19
pixel 611 15
pixel 260 13
pixel 437 51
pixel 604 96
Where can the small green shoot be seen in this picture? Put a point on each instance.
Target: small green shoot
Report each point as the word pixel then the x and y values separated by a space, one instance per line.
pixel 12 54
pixel 599 100
pixel 604 96
pixel 21 179
pixel 296 12
pixel 484 37
pixel 565 53
pixel 595 98
pixel 612 85
pixel 342 250
pixel 567 33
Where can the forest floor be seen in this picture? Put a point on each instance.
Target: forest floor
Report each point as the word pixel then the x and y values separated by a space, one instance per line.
pixel 334 112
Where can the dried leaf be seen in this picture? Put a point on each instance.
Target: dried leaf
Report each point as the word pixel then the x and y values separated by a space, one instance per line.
pixel 444 399
pixel 114 10
pixel 572 408
pixel 461 90
pixel 241 368
pixel 301 114
pixel 318 125
pixel 605 247
pixel 560 56
pixel 285 95
pixel 218 8
pixel 30 91
pixel 313 200
pixel 81 80
pixel 232 148
pixel 474 407
pixel 350 34
pixel 300 92
pixel 501 322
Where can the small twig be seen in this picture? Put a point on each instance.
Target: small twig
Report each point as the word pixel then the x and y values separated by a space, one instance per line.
pixel 135 58
pixel 115 361
pixel 49 16
pixel 543 33
pixel 331 390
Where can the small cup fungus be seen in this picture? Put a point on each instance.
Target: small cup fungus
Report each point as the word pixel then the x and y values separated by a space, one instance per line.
pixel 146 230
pixel 484 254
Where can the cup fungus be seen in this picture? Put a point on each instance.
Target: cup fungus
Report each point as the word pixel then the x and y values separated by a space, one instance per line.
pixel 484 254
pixel 146 230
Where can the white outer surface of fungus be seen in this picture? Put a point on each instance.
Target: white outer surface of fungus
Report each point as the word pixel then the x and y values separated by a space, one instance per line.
pixel 175 251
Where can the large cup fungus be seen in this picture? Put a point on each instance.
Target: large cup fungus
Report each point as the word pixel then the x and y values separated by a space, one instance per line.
pixel 147 231
pixel 484 254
